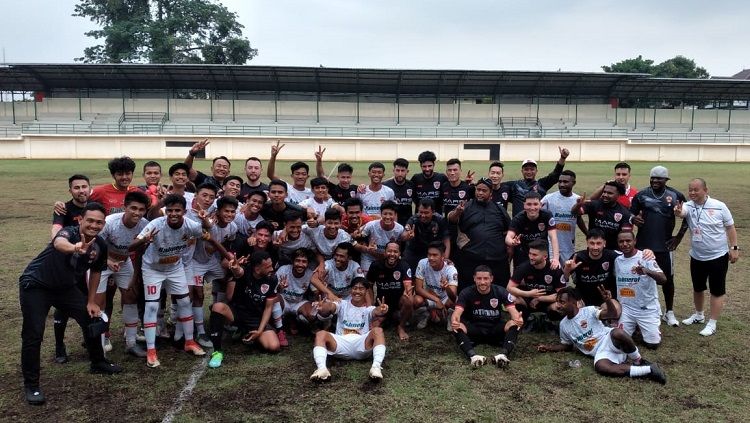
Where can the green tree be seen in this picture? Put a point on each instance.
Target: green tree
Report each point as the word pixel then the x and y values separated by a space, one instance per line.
pixel 164 31
pixel 636 65
pixel 676 67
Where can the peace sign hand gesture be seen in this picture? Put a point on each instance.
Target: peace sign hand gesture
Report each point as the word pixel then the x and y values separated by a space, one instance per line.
pixel 276 148
pixel 382 306
pixel 319 153
pixel 82 247
pixel 199 146
pixel 606 295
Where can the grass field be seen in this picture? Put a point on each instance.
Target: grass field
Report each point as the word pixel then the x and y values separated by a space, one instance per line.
pixel 426 379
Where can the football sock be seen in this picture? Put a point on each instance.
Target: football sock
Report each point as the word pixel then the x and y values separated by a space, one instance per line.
pixel 185 317
pixel 378 354
pixel 216 326
pixel 276 315
pixel 464 343
pixel 510 340
pixel 637 371
pixel 635 356
pixel 149 323
pixel 319 355
pixel 130 320
pixel 198 318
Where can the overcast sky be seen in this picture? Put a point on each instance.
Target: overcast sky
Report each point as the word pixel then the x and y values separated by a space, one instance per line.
pixel 417 34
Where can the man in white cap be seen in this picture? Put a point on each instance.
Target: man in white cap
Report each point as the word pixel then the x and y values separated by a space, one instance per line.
pixel 519 188
pixel 653 213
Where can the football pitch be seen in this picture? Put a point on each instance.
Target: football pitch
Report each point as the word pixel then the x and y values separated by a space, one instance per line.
pixel 426 378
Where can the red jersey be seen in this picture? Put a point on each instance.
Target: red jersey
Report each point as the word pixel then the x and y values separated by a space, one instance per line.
pixel 110 197
pixel 363 219
pixel 626 199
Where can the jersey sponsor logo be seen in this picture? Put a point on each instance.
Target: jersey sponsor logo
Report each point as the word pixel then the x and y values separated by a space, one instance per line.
pixel 618 217
pixel 436 184
pixel 505 196
pixel 461 194
pixel 627 293
pixel 264 288
pixel 541 226
pixel 605 266
pixel 493 302
pixel 548 279
pixel 589 344
pixel 397 275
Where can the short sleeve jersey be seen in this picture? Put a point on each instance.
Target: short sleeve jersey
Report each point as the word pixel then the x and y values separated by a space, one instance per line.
pixel 432 277
pixel 322 244
pixel 530 230
pixel 708 223
pixel 287 249
pixel 658 216
pixel 296 285
pixel 111 198
pixel 246 190
pixel 592 273
pixel 319 207
pixel 375 232
pixel 636 292
pixel 425 233
pixel 453 196
pixel 371 200
pixel 72 216
pixel 389 280
pixel 246 226
pixel 352 319
pixel 585 331
pixel 403 195
pixel 339 281
pixel 118 236
pixel 484 309
pixel 611 220
pixel 277 218
pixel 429 188
pixel 565 221
pixel 250 294
pixel 52 269
pixel 169 245
pixel 205 252
pixel 340 194
pixel 528 277
pixel 296 196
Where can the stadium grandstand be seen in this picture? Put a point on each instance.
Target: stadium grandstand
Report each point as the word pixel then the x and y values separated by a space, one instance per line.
pixel 268 101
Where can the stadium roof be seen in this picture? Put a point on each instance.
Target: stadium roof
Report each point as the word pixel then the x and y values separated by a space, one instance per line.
pixel 49 77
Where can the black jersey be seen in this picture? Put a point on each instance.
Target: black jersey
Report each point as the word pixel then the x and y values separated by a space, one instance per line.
pixel 501 196
pixel 483 309
pixel 658 216
pixel 531 230
pixel 591 273
pixel 429 188
pixel 453 196
pixel 246 190
pixel 425 233
pixel 528 277
pixel 72 216
pixel 389 280
pixel 404 194
pixel 276 218
pixel 250 294
pixel 53 269
pixel 340 194
pixel 611 220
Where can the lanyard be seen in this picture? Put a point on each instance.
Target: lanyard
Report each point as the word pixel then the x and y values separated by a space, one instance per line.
pixel 698 212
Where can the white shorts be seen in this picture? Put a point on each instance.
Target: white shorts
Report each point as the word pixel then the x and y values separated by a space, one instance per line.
pixel 606 350
pixel 122 278
pixel 351 347
pixel 431 305
pixel 290 308
pixel 176 282
pixel 647 320
pixel 205 272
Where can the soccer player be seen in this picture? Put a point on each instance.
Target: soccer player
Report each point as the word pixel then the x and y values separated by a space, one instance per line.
pixel 152 178
pixel 300 174
pixel 253 170
pixel 559 204
pixel 478 319
pixel 606 213
pixel 592 269
pixel 120 229
pixel 251 296
pixel 529 225
pixel 291 238
pixel 611 348
pixel 636 280
pixel 344 189
pixel 275 210
pixel 653 213
pixel 392 278
pixel 231 187
pixel 317 205
pixel 424 229
pixel 436 282
pixel 354 339
pixel 501 192
pixel 535 283
pixel 327 237
pixel 622 175
pixel 403 190
pixel 112 196
pixel 335 278
pixel 49 281
pixel 378 233
pixel 248 215
pixel 168 239
pixel 519 188
pixel 427 183
pixel 355 217
pixel 294 281
pixel 375 193
pixel 454 192
pixel 219 167
pixel 713 245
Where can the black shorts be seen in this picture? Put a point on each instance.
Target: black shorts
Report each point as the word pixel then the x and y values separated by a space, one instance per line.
pixel 246 320
pixel 485 333
pixel 715 271
pixel 664 260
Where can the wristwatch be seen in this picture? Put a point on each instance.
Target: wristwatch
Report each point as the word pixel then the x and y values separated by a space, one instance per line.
pixel 735 248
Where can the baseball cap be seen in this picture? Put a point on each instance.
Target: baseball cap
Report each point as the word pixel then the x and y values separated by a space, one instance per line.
pixel 528 162
pixel 659 172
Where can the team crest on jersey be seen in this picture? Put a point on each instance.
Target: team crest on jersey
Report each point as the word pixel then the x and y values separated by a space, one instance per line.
pixel 548 279
pixel 618 217
pixel 540 226
pixel 352 193
pixel 397 275
pixel 505 196
pixel 584 324
pixel 93 254
pixel 605 266
pixel 408 192
pixel 461 194
pixel 436 184
pixel 264 288
pixel 493 302
pixel 669 199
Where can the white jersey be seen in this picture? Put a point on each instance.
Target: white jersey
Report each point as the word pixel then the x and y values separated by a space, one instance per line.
pixel 376 233
pixel 245 226
pixel 326 246
pixel 295 196
pixel 118 236
pixel 353 319
pixel 169 245
pixel 432 277
pixel 286 249
pixel 634 291
pixel 708 223
pixel 585 331
pixel 205 252
pixel 297 287
pixel 566 222
pixel 338 281
pixel 371 200
pixel 320 208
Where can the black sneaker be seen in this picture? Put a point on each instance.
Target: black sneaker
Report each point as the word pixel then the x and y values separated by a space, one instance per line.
pixel 61 355
pixel 657 374
pixel 643 362
pixel 105 367
pixel 34 395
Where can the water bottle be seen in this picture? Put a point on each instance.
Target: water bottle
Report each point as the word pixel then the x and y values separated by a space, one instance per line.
pixel 574 364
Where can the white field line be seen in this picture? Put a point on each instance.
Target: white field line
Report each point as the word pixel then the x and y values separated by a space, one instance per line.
pixel 195 376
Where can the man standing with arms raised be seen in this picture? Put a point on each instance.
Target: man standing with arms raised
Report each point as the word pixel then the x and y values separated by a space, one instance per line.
pixel 519 188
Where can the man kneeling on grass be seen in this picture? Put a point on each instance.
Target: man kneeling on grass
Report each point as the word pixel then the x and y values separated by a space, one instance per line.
pixel 353 340
pixel 611 348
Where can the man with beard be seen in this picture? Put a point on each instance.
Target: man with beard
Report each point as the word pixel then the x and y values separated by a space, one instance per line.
pixel 375 193
pixel 392 278
pixel 606 213
pixel 403 190
pixel 535 283
pixel 219 167
pixel 622 175
pixel 529 225
pixel 519 188
pixel 427 184
pixel 454 192
pixel 335 277
pixel 435 286
pixel 378 233
pixel 294 281
pixel 253 170
pixel 559 204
